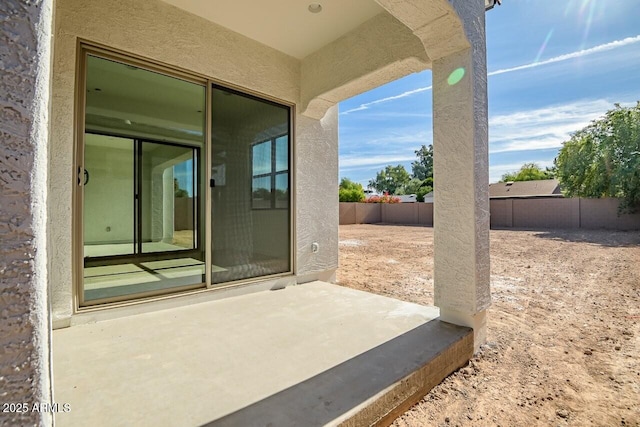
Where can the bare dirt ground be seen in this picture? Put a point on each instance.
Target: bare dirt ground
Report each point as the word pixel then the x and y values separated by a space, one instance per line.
pixel 563 345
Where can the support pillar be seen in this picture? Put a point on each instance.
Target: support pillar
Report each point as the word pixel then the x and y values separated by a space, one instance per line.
pixel 461 201
pixel 25 326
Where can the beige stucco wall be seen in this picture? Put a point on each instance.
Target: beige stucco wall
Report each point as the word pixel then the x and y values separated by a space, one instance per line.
pixel 25 58
pixel 316 164
pixel 461 200
pixel 379 51
pixel 156 30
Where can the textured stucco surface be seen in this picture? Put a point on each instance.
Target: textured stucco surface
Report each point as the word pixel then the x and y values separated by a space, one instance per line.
pixel 379 51
pixel 461 233
pixel 435 23
pixel 25 371
pixel 317 219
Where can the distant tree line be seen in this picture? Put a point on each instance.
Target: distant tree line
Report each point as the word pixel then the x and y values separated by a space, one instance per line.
pixel 603 159
pixel 395 180
pixel 600 160
pixel 528 172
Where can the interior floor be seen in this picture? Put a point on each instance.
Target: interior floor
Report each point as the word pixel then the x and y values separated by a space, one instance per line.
pixel 108 281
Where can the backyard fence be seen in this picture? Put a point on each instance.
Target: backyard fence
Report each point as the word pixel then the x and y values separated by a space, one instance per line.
pixel 539 212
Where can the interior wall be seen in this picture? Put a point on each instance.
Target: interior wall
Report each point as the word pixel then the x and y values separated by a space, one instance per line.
pixel 108 204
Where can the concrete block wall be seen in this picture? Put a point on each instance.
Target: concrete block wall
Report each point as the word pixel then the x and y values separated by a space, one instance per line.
pixel 400 213
pixel 603 213
pixel 548 213
pixel 376 213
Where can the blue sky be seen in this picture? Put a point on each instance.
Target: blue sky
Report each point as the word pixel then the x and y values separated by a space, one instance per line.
pixel 554 66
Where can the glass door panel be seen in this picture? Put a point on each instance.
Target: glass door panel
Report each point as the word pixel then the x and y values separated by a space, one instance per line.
pixel 250 199
pixel 109 196
pixel 141 217
pixel 168 185
pixel 143 183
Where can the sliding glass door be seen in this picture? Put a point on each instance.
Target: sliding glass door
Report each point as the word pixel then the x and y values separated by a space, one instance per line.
pixel 162 211
pixel 142 183
pixel 250 194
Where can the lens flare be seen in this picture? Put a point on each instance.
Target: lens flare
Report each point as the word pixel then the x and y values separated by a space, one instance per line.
pixel 544 46
pixel 456 76
pixel 588 23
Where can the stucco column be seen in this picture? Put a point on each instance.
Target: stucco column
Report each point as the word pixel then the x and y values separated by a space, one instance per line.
pixel 461 202
pixel 25 331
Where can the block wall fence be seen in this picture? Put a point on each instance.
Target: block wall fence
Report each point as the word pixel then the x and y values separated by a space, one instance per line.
pixel 546 213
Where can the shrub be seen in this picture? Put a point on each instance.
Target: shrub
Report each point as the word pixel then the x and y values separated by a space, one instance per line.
pixel 350 195
pixel 350 191
pixel 382 199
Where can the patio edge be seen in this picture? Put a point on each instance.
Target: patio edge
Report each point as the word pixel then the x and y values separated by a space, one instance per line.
pixel 382 409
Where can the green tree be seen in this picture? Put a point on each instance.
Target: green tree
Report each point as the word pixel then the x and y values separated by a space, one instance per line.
pixel 417 187
pixel 179 192
pixel 392 179
pixel 528 172
pixel 423 167
pixel 350 191
pixel 603 159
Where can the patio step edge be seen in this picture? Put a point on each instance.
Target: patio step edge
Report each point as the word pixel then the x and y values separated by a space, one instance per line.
pixel 386 406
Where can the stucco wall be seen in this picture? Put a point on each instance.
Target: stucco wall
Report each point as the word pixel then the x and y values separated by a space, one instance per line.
pixel 161 32
pixel 460 163
pixel 316 160
pixel 359 61
pixel 25 372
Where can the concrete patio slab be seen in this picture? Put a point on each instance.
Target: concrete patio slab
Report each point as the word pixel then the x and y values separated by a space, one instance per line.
pixel 314 354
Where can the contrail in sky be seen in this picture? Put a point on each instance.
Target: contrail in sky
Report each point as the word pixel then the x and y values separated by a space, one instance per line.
pixel 596 49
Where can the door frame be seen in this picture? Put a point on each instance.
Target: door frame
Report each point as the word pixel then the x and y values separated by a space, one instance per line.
pixel 138 195
pixel 84 48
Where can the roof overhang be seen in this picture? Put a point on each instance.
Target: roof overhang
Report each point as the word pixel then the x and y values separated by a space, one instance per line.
pixel 490 4
pixel 294 27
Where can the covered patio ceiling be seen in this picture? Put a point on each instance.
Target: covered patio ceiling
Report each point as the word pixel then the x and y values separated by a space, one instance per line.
pixel 286 25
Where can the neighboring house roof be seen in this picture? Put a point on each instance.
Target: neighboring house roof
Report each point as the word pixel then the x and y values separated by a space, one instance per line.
pixel 408 198
pixel 540 188
pixel 428 198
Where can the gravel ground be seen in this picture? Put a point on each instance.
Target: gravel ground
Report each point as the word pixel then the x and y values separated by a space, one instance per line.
pixel 563 331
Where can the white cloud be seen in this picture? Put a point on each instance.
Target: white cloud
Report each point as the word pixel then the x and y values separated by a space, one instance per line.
pixel 388 140
pixel 361 162
pixel 596 49
pixel 365 106
pixel 578 54
pixel 542 128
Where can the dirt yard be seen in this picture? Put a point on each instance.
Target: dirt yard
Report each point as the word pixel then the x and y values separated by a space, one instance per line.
pixel 563 344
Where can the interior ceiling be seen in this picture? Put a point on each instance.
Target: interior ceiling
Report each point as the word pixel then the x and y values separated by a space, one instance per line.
pixel 285 25
pixel 132 101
